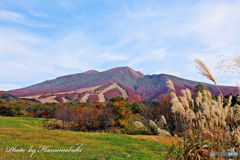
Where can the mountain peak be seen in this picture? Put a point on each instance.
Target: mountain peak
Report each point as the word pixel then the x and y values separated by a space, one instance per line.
pixel 90 71
pixel 127 70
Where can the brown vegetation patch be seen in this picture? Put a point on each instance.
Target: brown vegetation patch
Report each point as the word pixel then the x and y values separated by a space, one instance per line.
pixel 112 93
pixel 93 98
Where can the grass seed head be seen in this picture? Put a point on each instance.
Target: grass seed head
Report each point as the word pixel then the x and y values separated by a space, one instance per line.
pixel 203 70
pixel 170 85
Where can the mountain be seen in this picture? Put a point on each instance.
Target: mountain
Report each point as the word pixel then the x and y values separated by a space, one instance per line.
pixel 94 86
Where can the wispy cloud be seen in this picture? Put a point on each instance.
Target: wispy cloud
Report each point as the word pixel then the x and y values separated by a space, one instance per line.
pixel 11 16
pixel 153 37
pixel 19 18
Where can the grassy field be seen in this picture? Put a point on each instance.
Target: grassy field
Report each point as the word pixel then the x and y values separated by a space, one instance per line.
pixel 29 132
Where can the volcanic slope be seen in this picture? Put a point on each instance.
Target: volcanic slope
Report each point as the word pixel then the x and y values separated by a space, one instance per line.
pixel 94 86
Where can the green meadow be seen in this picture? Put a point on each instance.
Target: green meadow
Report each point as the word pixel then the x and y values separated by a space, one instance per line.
pixel 29 132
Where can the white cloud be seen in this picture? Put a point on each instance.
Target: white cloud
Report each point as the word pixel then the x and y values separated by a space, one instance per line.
pixel 217 23
pixel 19 18
pixel 11 16
pixel 146 36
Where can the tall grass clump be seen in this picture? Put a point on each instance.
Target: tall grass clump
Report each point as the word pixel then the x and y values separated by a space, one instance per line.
pixel 208 125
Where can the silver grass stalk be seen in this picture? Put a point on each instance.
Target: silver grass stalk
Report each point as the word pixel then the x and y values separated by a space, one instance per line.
pixel 199 98
pixel 227 107
pixel 176 104
pixel 231 112
pixel 152 124
pixel 170 85
pixel 184 93
pixel 212 110
pixel 163 119
pixel 236 109
pixel 216 112
pixel 206 110
pixel 216 120
pixel 206 131
pixel 204 71
pixel 190 115
pixel 163 133
pixel 220 103
pixel 184 102
pixel 209 95
pixel 189 95
pixel 203 122
pixel 204 96
pixel 173 94
pixel 211 124
pixel 138 124
pixel 224 124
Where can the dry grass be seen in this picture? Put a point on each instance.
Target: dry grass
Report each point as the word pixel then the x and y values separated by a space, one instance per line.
pixel 204 71
pixel 170 85
pixel 206 129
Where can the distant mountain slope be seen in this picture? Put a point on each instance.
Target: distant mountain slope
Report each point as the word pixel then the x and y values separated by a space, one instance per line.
pixel 124 75
pixel 92 84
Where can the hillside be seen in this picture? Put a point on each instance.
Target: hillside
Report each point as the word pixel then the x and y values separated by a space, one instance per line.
pixel 94 86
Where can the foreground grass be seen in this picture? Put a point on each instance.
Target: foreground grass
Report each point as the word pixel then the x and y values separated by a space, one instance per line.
pixel 27 132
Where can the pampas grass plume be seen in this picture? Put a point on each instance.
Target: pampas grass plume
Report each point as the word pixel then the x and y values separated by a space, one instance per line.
pixel 190 115
pixel 163 133
pixel 189 95
pixel 177 105
pixel 152 124
pixel 170 84
pixel 138 124
pixel 163 119
pixel 203 70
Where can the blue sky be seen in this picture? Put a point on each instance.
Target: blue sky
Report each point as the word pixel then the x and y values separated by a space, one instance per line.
pixel 41 40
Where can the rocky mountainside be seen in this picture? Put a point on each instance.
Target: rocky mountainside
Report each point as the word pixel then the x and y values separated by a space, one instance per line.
pixel 94 86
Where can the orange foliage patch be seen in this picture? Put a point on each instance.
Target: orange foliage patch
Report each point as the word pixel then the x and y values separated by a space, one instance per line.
pixel 93 98
pixel 132 96
pixel 112 93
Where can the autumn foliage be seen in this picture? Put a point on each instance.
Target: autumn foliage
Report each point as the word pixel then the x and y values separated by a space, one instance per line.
pixel 112 93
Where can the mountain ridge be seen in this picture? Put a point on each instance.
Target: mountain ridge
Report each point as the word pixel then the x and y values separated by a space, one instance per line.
pixel 142 87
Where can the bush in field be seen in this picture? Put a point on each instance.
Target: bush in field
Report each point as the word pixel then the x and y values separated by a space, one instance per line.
pixel 10 111
pixel 123 111
pixel 64 113
pixel 56 124
pixel 90 118
pixel 4 110
pixel 93 118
